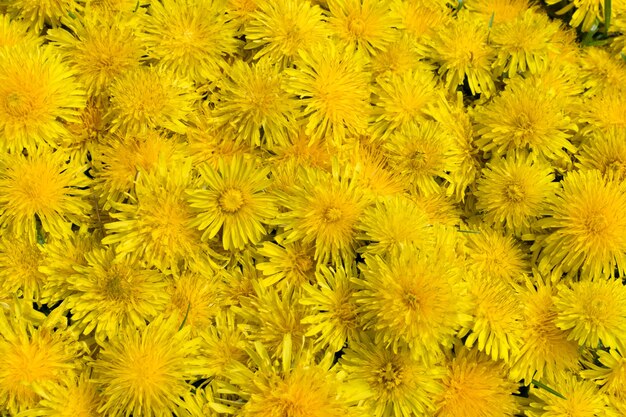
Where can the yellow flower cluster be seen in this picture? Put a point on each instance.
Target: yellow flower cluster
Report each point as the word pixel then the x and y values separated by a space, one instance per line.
pixel 312 208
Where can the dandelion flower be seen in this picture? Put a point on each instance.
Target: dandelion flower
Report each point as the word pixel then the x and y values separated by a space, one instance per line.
pixel 525 118
pixel 364 25
pixel 398 58
pixel 79 397
pixel 601 71
pixel 38 93
pixel 402 100
pixel 223 343
pixel 593 312
pixel 373 171
pixel 422 155
pixel 15 33
pixel 98 49
pixel 612 101
pixel 268 316
pixel 609 373
pixel 385 226
pixel 20 260
pixel 252 100
pixel 38 13
pixel 605 152
pixel 420 21
pixel 296 385
pixel 500 11
pixel 399 384
pixel 280 29
pixel 587 227
pixel 157 225
pixel 462 52
pixel 289 264
pixel 439 208
pixel 586 12
pixel 110 295
pixel 189 37
pixel 475 386
pixel 324 209
pixel 86 133
pixel 145 372
pixel 334 90
pixel 579 398
pixel 525 43
pixel 546 350
pixel 498 256
pixel 333 318
pixel 149 98
pixel 496 327
pixel 514 192
pixel 34 362
pixel 233 201
pixel 414 299
pixel 42 187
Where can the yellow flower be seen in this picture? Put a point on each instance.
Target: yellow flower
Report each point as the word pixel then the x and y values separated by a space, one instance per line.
pixel 252 99
pixel 39 13
pixel 109 295
pixel 546 350
pixel 413 298
pixel 87 132
pixel 268 316
pixel 297 385
pixel 233 200
pixel 364 25
pixel 34 362
pixel 475 386
pixel 288 264
pixel 20 260
pixel 498 256
pixel 77 398
pixel 587 227
pixel 581 399
pixel 606 152
pixel 38 94
pixel 15 33
pixel 586 12
pixel 398 58
pixel 123 159
pixel 514 192
pixel 111 8
pixel 439 208
pixel 146 372
pixel 157 223
pixel 333 315
pixel 189 37
pixel 601 70
pixel 421 20
pixel 324 208
pixel 525 44
pixel 463 53
pixel 496 328
pixel 42 188
pixel 149 98
pixel 334 91
pixel 98 48
pixel 502 10
pixel 402 100
pixel 525 118
pixel 422 155
pixel 593 312
pixel 283 28
pixel 609 373
pixel 613 115
pixel 223 343
pixel 384 226
pixel 373 172
pixel 399 385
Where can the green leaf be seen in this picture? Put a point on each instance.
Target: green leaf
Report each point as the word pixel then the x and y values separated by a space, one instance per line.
pixel 185 318
pixel 459 5
pixel 547 388
pixel 607 15
pixel 491 19
pixel 623 55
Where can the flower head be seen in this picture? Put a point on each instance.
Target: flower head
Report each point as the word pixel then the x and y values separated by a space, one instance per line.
pixel 399 385
pixel 514 192
pixel 609 373
pixel 77 397
pixel 334 90
pixel 606 152
pixel 146 372
pixel 587 227
pixel 20 260
pixel 280 29
pixel 593 312
pixel 189 37
pixel 42 187
pixel 39 13
pixel 233 200
pixel 290 264
pixel 15 33
pixel 38 94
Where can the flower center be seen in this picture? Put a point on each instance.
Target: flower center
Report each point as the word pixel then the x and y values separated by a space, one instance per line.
pixel 390 376
pixel 357 26
pixel 595 223
pixel 231 200
pixel 332 215
pixel 412 301
pixel 514 193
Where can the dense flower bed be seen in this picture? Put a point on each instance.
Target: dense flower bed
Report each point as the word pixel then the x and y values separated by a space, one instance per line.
pixel 293 208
